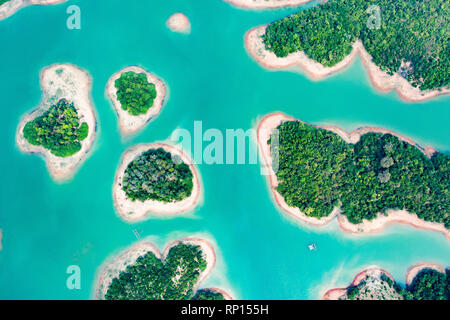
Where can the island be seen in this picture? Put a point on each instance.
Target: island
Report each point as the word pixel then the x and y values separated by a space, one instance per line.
pixel 266 4
pixel 369 178
pixel 423 282
pixel 384 35
pixel 155 179
pixel 137 97
pixel 62 128
pixel 178 22
pixel 142 273
pixel 9 7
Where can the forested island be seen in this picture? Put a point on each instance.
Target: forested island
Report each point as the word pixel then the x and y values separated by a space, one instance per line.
pixel 62 129
pixel 430 283
pixel 142 274
pixel 137 96
pixel 155 178
pixel 403 44
pixel 368 175
pixel 58 130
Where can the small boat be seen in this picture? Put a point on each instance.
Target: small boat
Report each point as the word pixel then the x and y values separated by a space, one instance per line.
pixel 136 233
pixel 312 247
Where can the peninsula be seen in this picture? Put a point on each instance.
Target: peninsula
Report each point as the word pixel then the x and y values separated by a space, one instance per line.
pixel 395 56
pixel 137 97
pixel 155 179
pixel 9 7
pixel 142 273
pixel 423 282
pixel 369 178
pixel 62 129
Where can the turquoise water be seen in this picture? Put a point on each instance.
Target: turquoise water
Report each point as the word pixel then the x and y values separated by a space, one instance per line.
pixel 262 252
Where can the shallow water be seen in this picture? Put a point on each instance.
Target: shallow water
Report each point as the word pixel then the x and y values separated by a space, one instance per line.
pixel 262 252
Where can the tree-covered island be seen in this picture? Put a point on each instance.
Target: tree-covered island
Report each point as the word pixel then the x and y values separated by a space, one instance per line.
pixel 173 278
pixel 428 284
pixel 318 170
pixel 154 175
pixel 58 130
pixel 405 37
pixel 135 93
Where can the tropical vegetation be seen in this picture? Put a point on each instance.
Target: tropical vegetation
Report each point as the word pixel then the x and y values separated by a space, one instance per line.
pixel 134 92
pixel 318 170
pixel 408 37
pixel 58 129
pixel 150 278
pixel 156 175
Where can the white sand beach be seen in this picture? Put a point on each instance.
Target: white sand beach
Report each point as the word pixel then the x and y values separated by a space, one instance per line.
pixel 9 8
pixel 73 84
pixel 130 124
pixel 266 4
pixel 133 211
pixel 178 22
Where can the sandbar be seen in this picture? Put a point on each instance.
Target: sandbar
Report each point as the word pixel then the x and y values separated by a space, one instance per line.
pixel 178 22
pixel 9 8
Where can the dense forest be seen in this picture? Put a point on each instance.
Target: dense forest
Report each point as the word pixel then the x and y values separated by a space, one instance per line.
pixel 154 175
pixel 134 92
pixel 428 284
pixel 409 37
pixel 152 279
pixel 319 170
pixel 57 130
pixel 3 1
pixel 206 294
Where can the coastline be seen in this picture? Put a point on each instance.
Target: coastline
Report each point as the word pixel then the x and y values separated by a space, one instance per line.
pixel 299 61
pixel 178 22
pixel 129 124
pixel 134 211
pixel 73 84
pixel 266 4
pixel 112 268
pixel 338 293
pixel 272 120
pixel 9 8
pixel 414 270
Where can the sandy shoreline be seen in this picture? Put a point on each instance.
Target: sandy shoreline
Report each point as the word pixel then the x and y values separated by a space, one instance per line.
pixel 271 121
pixel 129 124
pixel 134 211
pixel 414 270
pixel 178 22
pixel 338 293
pixel 299 61
pixel 266 4
pixel 9 8
pixel 73 84
pixel 112 269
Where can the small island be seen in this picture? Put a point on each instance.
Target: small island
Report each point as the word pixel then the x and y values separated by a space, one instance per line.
pixel 423 282
pixel 369 178
pixel 393 54
pixel 62 129
pixel 9 7
pixel 141 273
pixel 137 96
pixel 155 179
pixel 178 22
